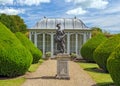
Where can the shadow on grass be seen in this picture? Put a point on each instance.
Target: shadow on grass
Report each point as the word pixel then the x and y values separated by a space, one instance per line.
pixel 104 84
pixel 96 70
pixel 7 78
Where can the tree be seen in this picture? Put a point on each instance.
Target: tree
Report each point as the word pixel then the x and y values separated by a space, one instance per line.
pixel 13 22
pixel 96 30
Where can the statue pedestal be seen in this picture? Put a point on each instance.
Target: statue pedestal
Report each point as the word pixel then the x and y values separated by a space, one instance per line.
pixel 62 66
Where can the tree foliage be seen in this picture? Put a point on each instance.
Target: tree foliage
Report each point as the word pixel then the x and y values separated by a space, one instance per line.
pixel 13 22
pixel 95 31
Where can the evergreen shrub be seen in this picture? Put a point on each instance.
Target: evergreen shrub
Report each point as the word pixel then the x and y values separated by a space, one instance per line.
pixel 103 51
pixel 89 47
pixel 36 53
pixel 15 59
pixel 113 65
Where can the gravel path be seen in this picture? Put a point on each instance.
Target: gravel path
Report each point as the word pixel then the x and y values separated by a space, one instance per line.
pixel 45 76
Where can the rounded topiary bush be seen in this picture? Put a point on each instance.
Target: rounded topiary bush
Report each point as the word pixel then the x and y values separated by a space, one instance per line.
pixel 103 51
pixel 89 47
pixel 113 65
pixel 36 53
pixel 15 59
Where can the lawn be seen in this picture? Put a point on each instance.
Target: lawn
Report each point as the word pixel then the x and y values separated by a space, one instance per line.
pixel 18 80
pixel 101 78
pixel 12 82
pixel 33 67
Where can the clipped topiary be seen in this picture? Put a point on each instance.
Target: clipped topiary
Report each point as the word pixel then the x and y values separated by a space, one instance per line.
pixel 103 51
pixel 15 59
pixel 36 53
pixel 113 65
pixel 89 47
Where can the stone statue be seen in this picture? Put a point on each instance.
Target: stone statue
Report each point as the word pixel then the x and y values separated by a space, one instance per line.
pixel 60 39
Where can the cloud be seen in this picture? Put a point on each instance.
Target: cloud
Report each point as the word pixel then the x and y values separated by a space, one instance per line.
pixel 3 2
pixel 97 4
pixel 12 11
pixel 106 22
pixel 76 11
pixel 68 0
pixel 31 2
pixel 23 2
pixel 112 9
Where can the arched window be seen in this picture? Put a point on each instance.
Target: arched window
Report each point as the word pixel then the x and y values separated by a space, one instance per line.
pixel 40 41
pixel 47 43
pixel 72 43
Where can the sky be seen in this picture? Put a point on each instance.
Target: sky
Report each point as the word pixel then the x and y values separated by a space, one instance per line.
pixel 94 13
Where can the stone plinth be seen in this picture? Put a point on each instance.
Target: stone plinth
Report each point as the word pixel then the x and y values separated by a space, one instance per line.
pixel 62 66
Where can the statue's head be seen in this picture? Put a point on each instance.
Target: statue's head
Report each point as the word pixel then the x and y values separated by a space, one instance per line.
pixel 58 25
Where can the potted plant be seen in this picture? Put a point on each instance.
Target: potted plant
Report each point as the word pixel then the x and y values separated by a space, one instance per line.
pixel 73 56
pixel 47 55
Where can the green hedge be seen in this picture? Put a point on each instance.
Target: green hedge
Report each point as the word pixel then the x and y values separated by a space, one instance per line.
pixel 113 65
pixel 89 47
pixel 36 53
pixel 103 51
pixel 15 59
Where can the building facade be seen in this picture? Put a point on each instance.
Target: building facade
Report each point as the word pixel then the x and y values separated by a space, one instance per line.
pixel 43 33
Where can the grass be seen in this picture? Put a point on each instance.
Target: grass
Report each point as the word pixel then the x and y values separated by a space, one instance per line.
pixel 12 81
pixel 34 67
pixel 101 78
pixel 19 80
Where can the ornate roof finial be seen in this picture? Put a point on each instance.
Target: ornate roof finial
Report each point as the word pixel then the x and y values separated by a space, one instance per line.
pixel 75 17
pixel 44 16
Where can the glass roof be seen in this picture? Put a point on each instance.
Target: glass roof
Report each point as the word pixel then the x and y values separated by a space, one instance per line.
pixel 66 23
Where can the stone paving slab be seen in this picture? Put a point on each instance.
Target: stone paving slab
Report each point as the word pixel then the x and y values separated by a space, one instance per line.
pixel 45 76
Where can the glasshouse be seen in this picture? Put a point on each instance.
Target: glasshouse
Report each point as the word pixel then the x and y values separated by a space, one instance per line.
pixel 43 33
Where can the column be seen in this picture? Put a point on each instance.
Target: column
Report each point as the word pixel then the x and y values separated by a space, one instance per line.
pixel 76 43
pixel 52 44
pixel 30 36
pixel 43 44
pixel 68 43
pixel 35 39
pixel 84 38
pixel 89 35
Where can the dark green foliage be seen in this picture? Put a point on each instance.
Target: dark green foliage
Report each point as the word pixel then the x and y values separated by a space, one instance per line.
pixel 103 51
pixel 89 47
pixel 36 53
pixel 15 59
pixel 113 65
pixel 13 22
pixel 95 31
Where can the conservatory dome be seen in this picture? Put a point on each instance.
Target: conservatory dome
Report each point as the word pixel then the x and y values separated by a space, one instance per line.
pixel 66 23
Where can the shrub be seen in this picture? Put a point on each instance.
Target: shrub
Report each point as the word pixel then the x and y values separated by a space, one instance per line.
pixel 15 59
pixel 36 53
pixel 89 47
pixel 48 54
pixel 73 56
pixel 103 51
pixel 113 65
